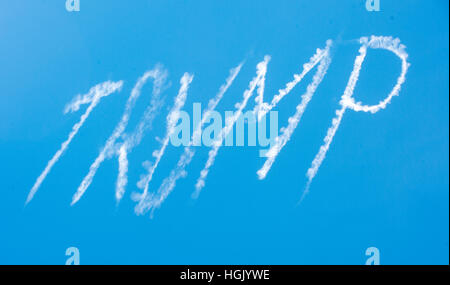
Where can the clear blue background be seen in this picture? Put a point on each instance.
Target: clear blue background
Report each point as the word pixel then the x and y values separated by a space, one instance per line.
pixel 384 182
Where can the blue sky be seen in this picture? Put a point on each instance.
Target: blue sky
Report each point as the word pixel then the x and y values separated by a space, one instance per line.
pixel 384 182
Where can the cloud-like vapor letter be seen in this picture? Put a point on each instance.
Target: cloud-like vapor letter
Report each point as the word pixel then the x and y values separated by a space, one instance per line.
pixel 261 108
pixel 257 81
pixel 158 75
pixel 134 139
pixel 280 141
pixel 92 98
pixel 172 118
pixel 169 182
pixel 347 100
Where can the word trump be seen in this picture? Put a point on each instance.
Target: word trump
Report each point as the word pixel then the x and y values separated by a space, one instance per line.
pixel 209 128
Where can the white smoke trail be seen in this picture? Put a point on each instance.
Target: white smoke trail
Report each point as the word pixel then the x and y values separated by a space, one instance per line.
pixel 262 108
pixel 109 149
pixel 93 97
pixel 313 61
pixel 122 178
pixel 287 132
pixel 172 119
pixel 132 140
pixel 152 201
pixel 258 80
pixel 212 104
pixel 155 200
pixel 347 100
